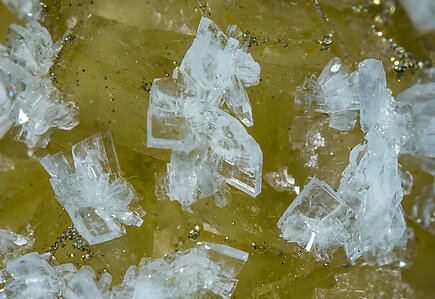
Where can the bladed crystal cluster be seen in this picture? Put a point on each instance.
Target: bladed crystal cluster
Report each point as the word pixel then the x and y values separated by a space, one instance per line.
pixel 13 244
pixel 364 215
pixel 93 193
pixel 28 100
pixel 207 270
pixel 198 114
pixel 25 8
pixel 334 92
pixel 421 100
pixel 33 276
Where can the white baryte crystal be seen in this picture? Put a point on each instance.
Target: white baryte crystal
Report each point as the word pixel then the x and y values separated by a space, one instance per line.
pixel 92 192
pixel 12 245
pixel 33 276
pixel 375 99
pixel 367 282
pixel 31 47
pixel 207 270
pixel 189 178
pixel 365 215
pixel 30 276
pixel 5 106
pixel 231 150
pixel 209 145
pixel 407 180
pixel 421 98
pixel 83 285
pixel 32 105
pixel 25 8
pixel 334 92
pixel 371 186
pixel 421 13
pixel 282 181
pixel 316 219
pixel 216 65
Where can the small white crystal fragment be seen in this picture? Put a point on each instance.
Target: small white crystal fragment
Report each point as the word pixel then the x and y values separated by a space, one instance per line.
pixel 421 13
pixel 421 98
pixel 423 209
pixel 25 8
pixel 83 285
pixel 367 282
pixel 94 194
pixel 282 180
pixel 374 95
pixel 30 276
pixel 12 245
pixel 33 106
pixel 5 105
pixel 334 92
pixel 232 151
pixel 22 117
pixel 207 270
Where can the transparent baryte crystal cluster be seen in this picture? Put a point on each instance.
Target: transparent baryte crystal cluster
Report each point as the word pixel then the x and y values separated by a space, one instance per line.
pixel 30 276
pixel 207 270
pixel 365 214
pixel 33 276
pixel 12 245
pixel 83 284
pixel 93 193
pixel 28 100
pixel 198 114
pixel 421 100
pixel 25 8
pixel 366 282
pixel 334 92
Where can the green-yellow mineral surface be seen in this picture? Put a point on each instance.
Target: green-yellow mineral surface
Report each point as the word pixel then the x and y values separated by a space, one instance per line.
pixel 113 50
